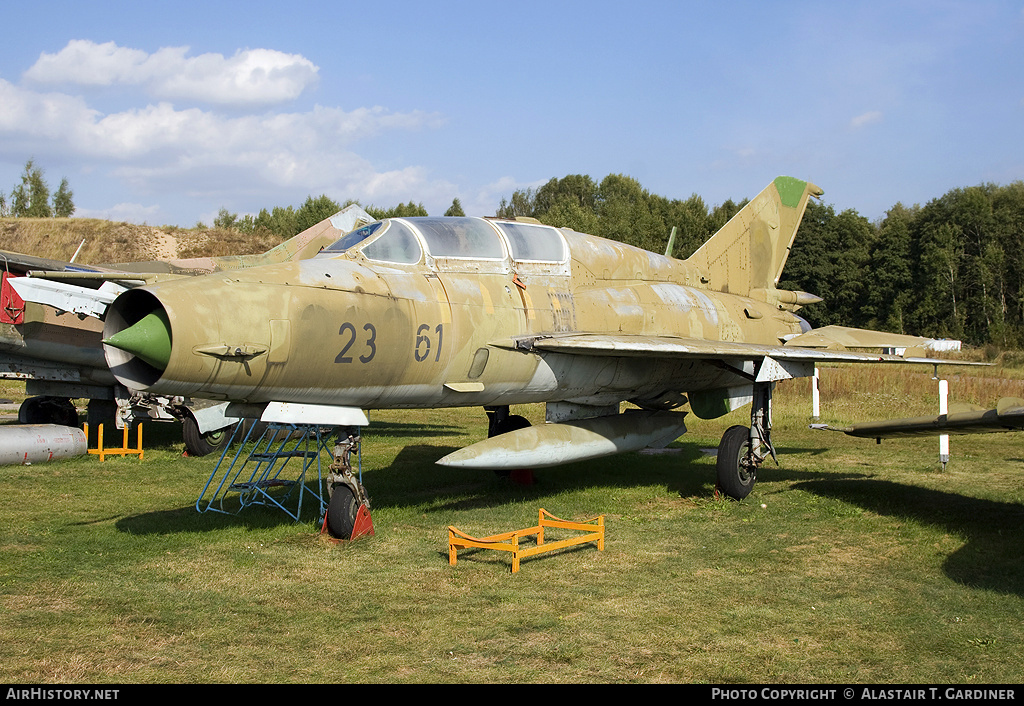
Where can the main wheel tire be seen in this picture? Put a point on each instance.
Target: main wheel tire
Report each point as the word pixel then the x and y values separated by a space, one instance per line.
pixel 735 479
pixel 341 512
pixel 199 444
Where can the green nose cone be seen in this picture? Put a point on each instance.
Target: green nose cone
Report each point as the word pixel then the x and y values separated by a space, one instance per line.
pixel 149 339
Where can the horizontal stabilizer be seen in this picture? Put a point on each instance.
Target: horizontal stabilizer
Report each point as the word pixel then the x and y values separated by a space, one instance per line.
pixel 846 338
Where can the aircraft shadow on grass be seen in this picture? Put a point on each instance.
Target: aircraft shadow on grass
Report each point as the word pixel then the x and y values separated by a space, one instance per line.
pixel 993 555
pixel 413 479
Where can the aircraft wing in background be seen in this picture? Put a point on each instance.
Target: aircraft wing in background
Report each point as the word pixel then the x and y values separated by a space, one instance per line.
pixel 1008 415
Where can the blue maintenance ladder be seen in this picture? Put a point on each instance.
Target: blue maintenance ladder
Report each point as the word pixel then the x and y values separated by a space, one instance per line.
pixel 258 471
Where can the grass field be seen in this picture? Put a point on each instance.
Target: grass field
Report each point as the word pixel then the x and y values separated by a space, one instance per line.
pixel 849 562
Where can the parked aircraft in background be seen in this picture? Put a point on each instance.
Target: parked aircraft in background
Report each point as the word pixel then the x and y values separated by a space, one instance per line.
pixel 1008 415
pixel 455 312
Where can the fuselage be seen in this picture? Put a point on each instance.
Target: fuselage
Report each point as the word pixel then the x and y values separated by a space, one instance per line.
pixel 409 313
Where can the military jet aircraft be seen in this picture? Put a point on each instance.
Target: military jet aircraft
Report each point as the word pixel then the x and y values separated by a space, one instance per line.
pixel 456 312
pixel 51 329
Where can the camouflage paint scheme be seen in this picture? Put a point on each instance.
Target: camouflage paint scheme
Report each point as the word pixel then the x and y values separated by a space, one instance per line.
pixel 448 331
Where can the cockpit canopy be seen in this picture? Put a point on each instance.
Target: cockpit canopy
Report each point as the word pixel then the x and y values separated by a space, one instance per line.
pixel 404 240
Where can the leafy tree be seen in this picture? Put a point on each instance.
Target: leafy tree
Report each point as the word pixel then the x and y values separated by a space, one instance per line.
pixel 522 204
pixel 569 202
pixel 20 195
pixel 567 213
pixel 575 192
pixel 402 210
pixel 890 293
pixel 722 214
pixel 313 211
pixel 830 258
pixel 455 209
pixel 624 212
pixel 280 221
pixel 63 200
pixel 689 217
pixel 31 197
pixel 1008 226
pixel 225 219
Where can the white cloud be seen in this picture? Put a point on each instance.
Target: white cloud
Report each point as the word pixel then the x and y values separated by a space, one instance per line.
pixel 195 155
pixel 868 118
pixel 251 77
pixel 283 146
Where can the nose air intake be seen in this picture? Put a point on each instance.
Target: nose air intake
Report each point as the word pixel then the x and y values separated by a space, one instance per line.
pixel 149 339
pixel 137 339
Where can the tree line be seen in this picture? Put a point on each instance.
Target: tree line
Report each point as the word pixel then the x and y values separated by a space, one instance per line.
pixel 31 198
pixel 953 268
pixel 286 221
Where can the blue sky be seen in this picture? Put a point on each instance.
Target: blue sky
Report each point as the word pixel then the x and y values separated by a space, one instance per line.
pixel 164 112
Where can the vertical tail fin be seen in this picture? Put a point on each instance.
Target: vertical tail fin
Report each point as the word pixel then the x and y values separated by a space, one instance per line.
pixel 747 255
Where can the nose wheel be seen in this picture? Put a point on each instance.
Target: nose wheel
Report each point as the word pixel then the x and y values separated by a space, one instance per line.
pixel 348 509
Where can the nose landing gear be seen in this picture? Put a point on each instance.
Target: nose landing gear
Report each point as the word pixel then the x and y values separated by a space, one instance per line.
pixel 348 508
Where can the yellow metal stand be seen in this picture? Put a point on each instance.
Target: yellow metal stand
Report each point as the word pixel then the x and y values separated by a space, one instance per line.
pixel 509 541
pixel 124 450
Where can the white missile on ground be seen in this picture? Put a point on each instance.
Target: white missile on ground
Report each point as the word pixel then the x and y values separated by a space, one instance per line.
pixel 569 441
pixel 38 443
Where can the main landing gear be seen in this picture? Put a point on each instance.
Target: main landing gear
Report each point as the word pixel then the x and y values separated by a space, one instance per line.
pixel 743 450
pixel 501 421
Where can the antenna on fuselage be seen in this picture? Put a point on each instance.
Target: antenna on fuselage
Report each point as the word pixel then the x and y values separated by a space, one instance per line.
pixel 671 242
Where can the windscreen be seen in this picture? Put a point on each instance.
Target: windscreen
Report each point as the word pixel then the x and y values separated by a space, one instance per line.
pixel 354 238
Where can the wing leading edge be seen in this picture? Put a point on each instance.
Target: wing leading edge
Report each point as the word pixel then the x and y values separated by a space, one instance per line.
pixel 628 345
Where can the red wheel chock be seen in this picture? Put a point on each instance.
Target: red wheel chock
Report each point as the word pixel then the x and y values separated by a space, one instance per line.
pixel 364 524
pixel 362 527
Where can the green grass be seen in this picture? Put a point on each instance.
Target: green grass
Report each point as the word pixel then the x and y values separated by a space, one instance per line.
pixel 850 562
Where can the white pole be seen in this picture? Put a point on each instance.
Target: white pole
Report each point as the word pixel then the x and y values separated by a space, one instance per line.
pixel 943 409
pixel 815 396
